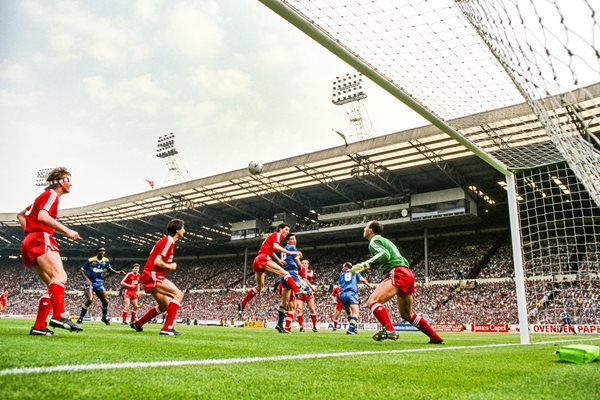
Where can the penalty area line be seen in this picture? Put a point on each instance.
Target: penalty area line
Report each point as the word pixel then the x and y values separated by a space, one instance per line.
pixel 248 360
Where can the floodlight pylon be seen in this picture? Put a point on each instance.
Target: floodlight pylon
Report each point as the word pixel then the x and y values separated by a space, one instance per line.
pixel 166 150
pixel 41 176
pixel 348 91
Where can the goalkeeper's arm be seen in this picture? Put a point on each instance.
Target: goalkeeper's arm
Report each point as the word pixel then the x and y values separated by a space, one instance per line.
pixel 360 267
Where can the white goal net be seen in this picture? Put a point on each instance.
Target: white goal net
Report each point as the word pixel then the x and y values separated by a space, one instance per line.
pixel 449 59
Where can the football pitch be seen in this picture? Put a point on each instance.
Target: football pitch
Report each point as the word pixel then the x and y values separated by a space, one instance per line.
pixel 114 362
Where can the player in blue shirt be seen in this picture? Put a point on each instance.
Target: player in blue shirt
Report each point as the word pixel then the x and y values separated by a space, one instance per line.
pixel 93 271
pixel 288 300
pixel 566 322
pixel 348 284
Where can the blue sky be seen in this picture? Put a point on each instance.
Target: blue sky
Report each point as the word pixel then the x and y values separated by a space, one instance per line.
pixel 91 86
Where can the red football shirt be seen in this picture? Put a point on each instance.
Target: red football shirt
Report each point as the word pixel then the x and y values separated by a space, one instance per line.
pixel 336 293
pixel 309 274
pixel 268 246
pixel 164 247
pixel 48 201
pixel 131 279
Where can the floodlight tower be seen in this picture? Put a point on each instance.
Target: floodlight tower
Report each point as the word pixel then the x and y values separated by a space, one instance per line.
pixel 167 151
pixel 42 175
pixel 348 92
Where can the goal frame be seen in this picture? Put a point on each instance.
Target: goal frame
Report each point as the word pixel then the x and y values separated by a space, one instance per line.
pixel 323 38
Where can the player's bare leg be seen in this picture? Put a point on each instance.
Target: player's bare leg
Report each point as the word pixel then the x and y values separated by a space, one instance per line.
pixel 300 313
pixel 285 311
pixel 125 310
pixel 336 319
pixel 313 314
pixel 259 277
pixel 169 299
pixel 378 298
pixel 276 269
pixel 134 302
pixel 405 305
pixel 352 319
pixel 87 292
pixel 51 271
pixel 104 301
pixel 163 292
pixel 50 268
pixel 291 311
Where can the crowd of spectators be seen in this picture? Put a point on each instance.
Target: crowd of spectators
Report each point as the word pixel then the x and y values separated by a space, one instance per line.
pixel 213 286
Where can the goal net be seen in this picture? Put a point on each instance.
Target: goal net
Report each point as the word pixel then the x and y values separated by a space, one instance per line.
pixel 561 236
pixel 449 59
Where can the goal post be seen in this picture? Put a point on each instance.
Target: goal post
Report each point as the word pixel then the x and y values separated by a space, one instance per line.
pixel 517 253
pixel 456 58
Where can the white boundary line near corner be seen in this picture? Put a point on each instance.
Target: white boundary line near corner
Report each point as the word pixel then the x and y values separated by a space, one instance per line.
pixel 90 367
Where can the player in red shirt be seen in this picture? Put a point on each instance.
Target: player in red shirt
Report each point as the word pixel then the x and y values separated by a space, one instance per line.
pixel 307 275
pixel 267 260
pixel 40 252
pixel 130 285
pixel 166 294
pixel 3 300
pixel 335 295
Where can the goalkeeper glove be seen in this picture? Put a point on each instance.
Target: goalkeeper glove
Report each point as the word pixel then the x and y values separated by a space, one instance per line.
pixel 360 267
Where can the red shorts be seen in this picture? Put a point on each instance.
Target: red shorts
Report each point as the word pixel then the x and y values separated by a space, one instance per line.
pixel 306 299
pixel 403 279
pixel 36 244
pixel 338 306
pixel 130 294
pixel 150 278
pixel 292 296
pixel 260 262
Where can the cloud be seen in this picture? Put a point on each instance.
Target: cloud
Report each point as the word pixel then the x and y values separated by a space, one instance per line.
pixel 13 72
pixel 223 83
pixel 147 10
pixel 33 8
pixel 194 30
pixel 9 99
pixel 141 95
pixel 75 32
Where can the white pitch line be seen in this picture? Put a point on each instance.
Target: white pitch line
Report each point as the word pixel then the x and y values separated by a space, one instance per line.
pixel 214 361
pixel 88 367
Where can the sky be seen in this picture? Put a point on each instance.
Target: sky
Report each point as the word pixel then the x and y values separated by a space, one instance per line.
pixel 92 85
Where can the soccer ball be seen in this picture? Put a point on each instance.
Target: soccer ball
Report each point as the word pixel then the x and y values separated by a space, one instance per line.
pixel 255 167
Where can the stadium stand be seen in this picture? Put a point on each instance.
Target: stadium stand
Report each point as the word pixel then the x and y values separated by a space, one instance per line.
pixel 213 286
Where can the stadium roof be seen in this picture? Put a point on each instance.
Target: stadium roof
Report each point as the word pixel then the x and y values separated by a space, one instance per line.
pixel 397 166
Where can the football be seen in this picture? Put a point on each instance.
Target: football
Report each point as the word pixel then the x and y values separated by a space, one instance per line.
pixel 255 167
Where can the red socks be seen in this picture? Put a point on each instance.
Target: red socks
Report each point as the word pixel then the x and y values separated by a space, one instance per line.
pixel 125 316
pixel 172 309
pixel 423 326
pixel 153 312
pixel 249 296
pixel 57 297
pixel 301 320
pixel 314 320
pixel 289 317
pixel 291 283
pixel 382 316
pixel 133 315
pixel 44 308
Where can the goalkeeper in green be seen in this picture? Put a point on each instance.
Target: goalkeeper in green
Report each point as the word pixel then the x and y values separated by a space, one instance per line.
pixel 399 281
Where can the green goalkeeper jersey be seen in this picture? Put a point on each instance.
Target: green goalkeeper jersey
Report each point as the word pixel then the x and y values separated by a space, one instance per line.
pixel 385 254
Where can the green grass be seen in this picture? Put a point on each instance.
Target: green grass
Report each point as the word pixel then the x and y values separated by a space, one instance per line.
pixel 448 372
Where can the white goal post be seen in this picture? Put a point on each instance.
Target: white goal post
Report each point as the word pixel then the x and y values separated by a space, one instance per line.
pixel 448 59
